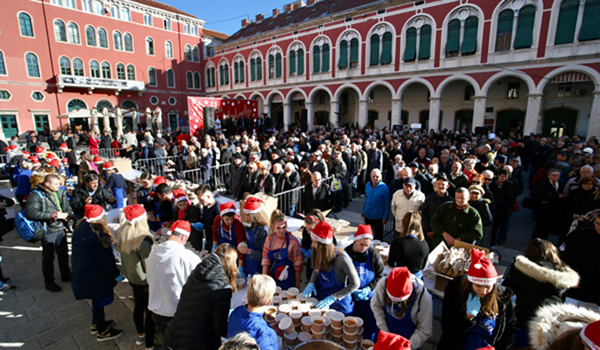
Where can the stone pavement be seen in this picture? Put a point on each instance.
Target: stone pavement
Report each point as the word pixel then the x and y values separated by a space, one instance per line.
pixel 33 318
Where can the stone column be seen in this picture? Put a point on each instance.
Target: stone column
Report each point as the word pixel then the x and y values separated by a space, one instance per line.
pixel 594 125
pixel 333 110
pixel 434 113
pixel 310 114
pixel 532 116
pixel 479 111
pixel 286 116
pixel 363 113
pixel 396 112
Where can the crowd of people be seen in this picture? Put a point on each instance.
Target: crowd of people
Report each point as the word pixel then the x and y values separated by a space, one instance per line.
pixel 420 190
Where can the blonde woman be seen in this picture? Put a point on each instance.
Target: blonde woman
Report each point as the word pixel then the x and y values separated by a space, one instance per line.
pixel 201 317
pixel 135 243
pixel 256 235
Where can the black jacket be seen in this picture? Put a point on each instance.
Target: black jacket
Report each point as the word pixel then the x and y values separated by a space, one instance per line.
pixel 320 200
pixel 461 181
pixel 101 197
pixel 237 179
pixel 250 182
pixel 455 324
pixel 321 167
pixel 483 208
pixel 35 212
pixel 546 192
pixel 287 183
pixel 269 186
pixel 580 251
pixel 201 317
pixel 192 214
pixel 536 283
pixel 432 203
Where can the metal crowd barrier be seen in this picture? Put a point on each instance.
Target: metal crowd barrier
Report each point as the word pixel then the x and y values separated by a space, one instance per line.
pixel 292 201
pixel 109 153
pixel 154 165
pixel 218 177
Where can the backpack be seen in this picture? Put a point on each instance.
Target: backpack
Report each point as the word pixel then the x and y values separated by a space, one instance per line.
pixel 30 230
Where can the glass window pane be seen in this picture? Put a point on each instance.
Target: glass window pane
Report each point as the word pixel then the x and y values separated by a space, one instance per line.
pixel 118 41
pixel 168 49
pixel 120 71
pixel 77 67
pixel 149 46
pixel 195 54
pixel 2 66
pixel 105 70
pixel 33 70
pixel 73 33
pixel 59 31
pixel 567 20
pixel 292 60
pixel 374 60
pixel 469 45
pixel 25 24
pixel 102 39
pixel 410 51
pixel 196 80
pixel 590 30
pixel 130 72
pixel 170 78
pixel 151 76
pixel 252 70
pixel 236 74
pixel 90 36
pixel 504 32
pixel 128 42
pixel 65 66
pixel 259 69
pixel 94 69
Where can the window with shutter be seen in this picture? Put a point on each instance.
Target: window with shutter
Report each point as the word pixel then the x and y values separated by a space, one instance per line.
pixel 196 80
pixel 242 72
pixel 300 58
pixel 226 72
pixel 259 69
pixel 278 65
pixel 236 74
pixel 221 77
pixel 354 53
pixel 567 20
pixel 524 35
pixel 504 32
pixel 325 58
pixel 271 67
pixel 343 63
pixel 386 48
pixel 374 60
pixel 252 70
pixel 453 39
pixel 425 42
pixel 316 59
pixel 590 30
pixel 469 45
pixel 212 77
pixel 190 80
pixel 292 63
pixel 208 77
pixel 410 51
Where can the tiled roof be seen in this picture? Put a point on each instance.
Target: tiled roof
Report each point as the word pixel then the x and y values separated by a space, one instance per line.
pixel 165 7
pixel 306 13
pixel 214 34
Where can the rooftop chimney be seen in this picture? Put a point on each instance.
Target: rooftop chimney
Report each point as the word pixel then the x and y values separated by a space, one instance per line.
pixel 275 12
pixel 244 22
pixel 259 17
pixel 310 2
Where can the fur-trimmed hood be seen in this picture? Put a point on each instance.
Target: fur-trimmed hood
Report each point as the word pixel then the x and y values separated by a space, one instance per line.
pixel 561 279
pixel 553 320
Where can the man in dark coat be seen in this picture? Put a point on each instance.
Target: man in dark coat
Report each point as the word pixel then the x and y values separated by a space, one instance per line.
pixel 91 192
pixel 316 195
pixel 337 168
pixel 318 164
pixel 457 178
pixel 547 196
pixel 289 180
pixel 504 203
pixel 433 202
pixel 238 171
pixel 105 140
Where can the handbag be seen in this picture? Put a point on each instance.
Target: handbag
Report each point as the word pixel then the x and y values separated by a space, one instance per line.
pixel 336 185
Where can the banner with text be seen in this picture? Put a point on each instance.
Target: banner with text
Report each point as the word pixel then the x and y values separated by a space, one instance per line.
pixel 235 108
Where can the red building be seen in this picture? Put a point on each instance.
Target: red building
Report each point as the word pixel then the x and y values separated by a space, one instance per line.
pixel 512 65
pixel 57 56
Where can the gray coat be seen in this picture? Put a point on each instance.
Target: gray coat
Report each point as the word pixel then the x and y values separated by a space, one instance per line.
pixel 35 203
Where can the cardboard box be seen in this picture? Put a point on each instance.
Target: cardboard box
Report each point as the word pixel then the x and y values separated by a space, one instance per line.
pixel 123 164
pixel 270 205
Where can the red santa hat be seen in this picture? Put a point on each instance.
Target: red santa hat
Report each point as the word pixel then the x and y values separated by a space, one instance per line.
pixel 590 335
pixel 481 271
pixel 63 146
pixel 13 147
pixel 179 195
pixel 489 347
pixel 182 227
pixel 40 151
pixel 98 160
pixel 134 213
pixel 6 149
pixel 363 232
pixel 159 180
pixel 54 163
pixel 253 205
pixel 93 212
pixel 322 233
pixel 32 158
pixel 228 207
pixel 50 156
pixel 399 284
pixel 65 160
pixel 391 341
pixel 26 154
pixel 36 162
pixel 108 166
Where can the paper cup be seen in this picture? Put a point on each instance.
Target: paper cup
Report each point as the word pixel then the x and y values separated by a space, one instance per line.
pixel 318 335
pixel 318 324
pixel 270 313
pixel 359 324
pixel 350 324
pixel 337 331
pixel 304 309
pixel 292 293
pixel 284 295
pixel 277 290
pixel 296 317
pixel 330 312
pixel 245 300
pixel 327 324
pixel 359 336
pixel 349 336
pixel 286 325
pixel 241 283
pixel 304 337
pixel 285 308
pixel 290 338
pixel 276 300
pixel 339 339
pixel 294 304
pixel 314 312
pixel 385 244
pixel 349 344
pixel 306 323
pixel 312 302
pixel 337 319
pixel 300 297
pixel 376 242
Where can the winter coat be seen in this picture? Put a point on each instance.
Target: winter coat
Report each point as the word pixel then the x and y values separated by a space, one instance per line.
pixel 201 317
pixel 93 267
pixel 134 262
pixel 321 167
pixel 551 321
pixel 320 200
pixel 35 212
pixel 402 205
pixel 250 182
pixel 100 197
pixel 268 187
pixel 537 283
pixel 237 179
pixel 377 202
pixel 483 208
pixel 580 251
pixel 455 324
pixel 287 183
pixel 466 224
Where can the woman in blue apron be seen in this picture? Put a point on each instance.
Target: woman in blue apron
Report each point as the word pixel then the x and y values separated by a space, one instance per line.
pixel 334 278
pixel 230 230
pixel 401 305
pixel 284 259
pixel 369 267
pixel 477 312
pixel 255 235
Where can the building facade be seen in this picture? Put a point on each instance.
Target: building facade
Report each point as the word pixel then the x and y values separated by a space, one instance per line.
pixel 58 56
pixel 512 65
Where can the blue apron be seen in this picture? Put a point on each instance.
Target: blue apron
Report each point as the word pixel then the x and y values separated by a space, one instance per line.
pixel 157 225
pixel 252 267
pixel 480 335
pixel 362 308
pixel 119 195
pixel 279 258
pixel 328 284
pixel 227 237
pixel 403 326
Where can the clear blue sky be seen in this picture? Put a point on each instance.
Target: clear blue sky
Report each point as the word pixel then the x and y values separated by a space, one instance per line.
pixel 222 10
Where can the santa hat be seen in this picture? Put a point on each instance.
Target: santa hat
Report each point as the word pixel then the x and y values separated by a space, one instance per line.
pixel 93 212
pixel 40 151
pixel 98 160
pixel 63 146
pixel 54 163
pixel 26 154
pixel 399 284
pixel 50 156
pixel 179 195
pixel 322 233
pixel 253 205
pixel 32 158
pixel 363 232
pixel 13 147
pixel 182 227
pixel 159 180
pixel 481 271
pixel 35 162
pixel 134 213
pixel 108 166
pixel 489 347
pixel 65 160
pixel 391 341
pixel 590 335
pixel 228 207
pixel 6 149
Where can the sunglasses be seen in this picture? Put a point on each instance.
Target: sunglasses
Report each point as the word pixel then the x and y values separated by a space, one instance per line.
pixel 476 182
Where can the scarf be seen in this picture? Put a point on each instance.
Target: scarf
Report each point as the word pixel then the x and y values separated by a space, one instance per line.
pixel 182 212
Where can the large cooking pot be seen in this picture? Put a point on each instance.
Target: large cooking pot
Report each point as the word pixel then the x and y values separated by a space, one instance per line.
pixel 318 345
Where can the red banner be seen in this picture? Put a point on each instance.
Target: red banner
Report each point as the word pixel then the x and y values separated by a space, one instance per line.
pixel 229 107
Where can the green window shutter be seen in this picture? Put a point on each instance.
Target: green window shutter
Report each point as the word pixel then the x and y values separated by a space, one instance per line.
pixel 259 68
pixel 221 78
pixel 469 44
pixel 207 77
pixel 374 61
pixel 325 59
pixel 236 73
pixel 504 32
pixel 410 50
pixel 590 30
pixel 226 71
pixel 212 75
pixel 425 43
pixel 567 19
pixel 453 39
pixel 300 56
pixel 524 36
pixel 354 51
pixel 292 62
pixel 242 72
pixel 271 74
pixel 278 65
pixel 316 59
pixel 252 70
pixel 343 63
pixel 386 48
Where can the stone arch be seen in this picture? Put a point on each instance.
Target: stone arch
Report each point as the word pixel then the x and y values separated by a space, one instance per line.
pixel 240 96
pixel 338 92
pixel 273 93
pixel 411 81
pixel 288 98
pixel 593 74
pixel 455 77
pixel 503 74
pixel 316 89
pixel 376 83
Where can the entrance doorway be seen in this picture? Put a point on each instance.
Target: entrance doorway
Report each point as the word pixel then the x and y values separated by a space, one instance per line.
pixel 9 126
pixel 510 120
pixel 424 119
pixel 173 123
pixel 559 121
pixel 321 118
pixel 463 120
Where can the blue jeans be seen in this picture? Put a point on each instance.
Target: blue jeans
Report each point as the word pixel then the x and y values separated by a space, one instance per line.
pixel 291 210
